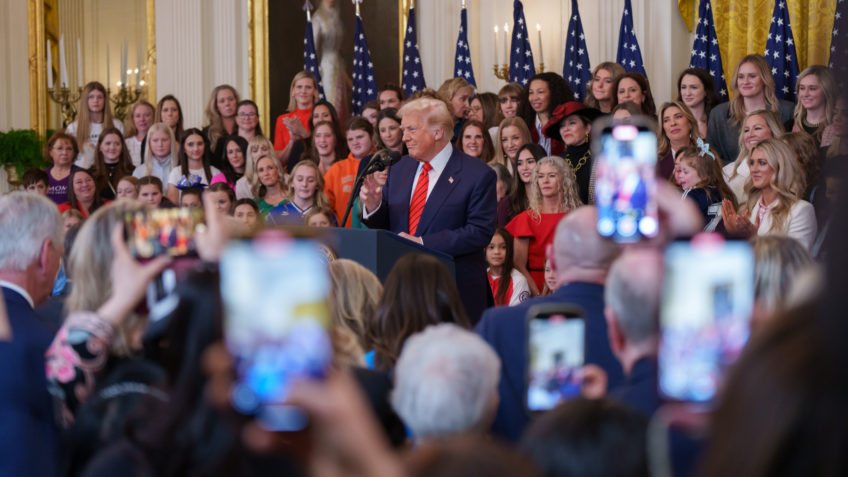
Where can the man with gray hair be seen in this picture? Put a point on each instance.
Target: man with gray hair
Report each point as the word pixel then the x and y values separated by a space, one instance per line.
pixel 438 197
pixel 446 382
pixel 31 246
pixel 633 291
pixel 580 258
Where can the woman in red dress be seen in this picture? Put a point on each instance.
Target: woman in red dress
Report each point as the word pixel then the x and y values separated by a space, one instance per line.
pixel 553 194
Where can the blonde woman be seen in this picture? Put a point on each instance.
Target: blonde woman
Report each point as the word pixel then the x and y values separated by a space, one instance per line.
pixel 752 86
pixel 257 147
pixel 220 116
pixel 512 134
pixel 161 153
pixel 139 122
pixel 94 113
pixel 601 94
pixel 355 294
pixel 773 189
pixel 679 129
pixel 553 194
pixel 294 124
pixel 457 93
pixel 758 126
pixel 816 91
pixel 268 185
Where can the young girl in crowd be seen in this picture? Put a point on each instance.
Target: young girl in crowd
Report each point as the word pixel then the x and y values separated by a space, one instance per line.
pixel 757 127
pixel 544 92
pixel 633 86
pixel 293 125
pixel 127 188
pixel 232 168
pixel 257 147
pixel 161 154
pixel 194 166
pixel 192 198
pixel 141 118
pixel 306 190
pixel 518 199
pixel 698 173
pixel 339 179
pixel 499 256
pixel 268 185
pixel 111 162
pixel 220 118
pixel 247 212
pixel 600 95
pixel 752 86
pixel 35 180
pixel 678 129
pixel 550 279
pixel 169 111
pixel 70 218
pixel 509 100
pixel 151 191
pixel 816 91
pixel 774 205
pixel 370 112
pixel 305 148
pixel 319 217
pixel 475 141
pixel 94 114
pixel 553 194
pixel 389 135
pixel 83 194
pixel 60 151
pixel 512 134
pixel 696 89
pixel 223 197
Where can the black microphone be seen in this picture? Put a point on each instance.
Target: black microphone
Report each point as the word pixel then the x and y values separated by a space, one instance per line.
pixel 379 162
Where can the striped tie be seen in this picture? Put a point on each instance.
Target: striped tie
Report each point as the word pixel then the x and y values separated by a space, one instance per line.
pixel 419 198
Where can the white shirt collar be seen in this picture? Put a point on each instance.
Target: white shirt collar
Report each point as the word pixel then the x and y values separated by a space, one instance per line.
pixel 440 161
pixel 19 290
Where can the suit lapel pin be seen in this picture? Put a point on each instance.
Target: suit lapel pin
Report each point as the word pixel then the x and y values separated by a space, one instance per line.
pixel 450 179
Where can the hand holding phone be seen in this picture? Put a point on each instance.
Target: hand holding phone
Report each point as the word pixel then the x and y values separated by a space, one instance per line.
pixel 556 354
pixel 151 233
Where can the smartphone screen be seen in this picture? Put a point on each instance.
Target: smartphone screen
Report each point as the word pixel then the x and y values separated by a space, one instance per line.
pixel 625 179
pixel 556 356
pixel 151 233
pixel 276 317
pixel 708 297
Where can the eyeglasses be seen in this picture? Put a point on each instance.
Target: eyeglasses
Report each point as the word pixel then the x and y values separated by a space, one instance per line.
pixel 247 115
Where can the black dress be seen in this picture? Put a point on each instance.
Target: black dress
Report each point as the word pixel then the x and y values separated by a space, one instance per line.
pixel 580 160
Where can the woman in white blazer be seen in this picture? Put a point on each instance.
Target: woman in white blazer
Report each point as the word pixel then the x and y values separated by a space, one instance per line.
pixel 773 188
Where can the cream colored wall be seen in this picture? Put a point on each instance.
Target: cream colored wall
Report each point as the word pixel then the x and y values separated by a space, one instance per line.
pixel 14 73
pixel 200 44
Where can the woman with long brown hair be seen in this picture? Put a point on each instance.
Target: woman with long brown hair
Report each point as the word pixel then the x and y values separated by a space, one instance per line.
pixel 94 115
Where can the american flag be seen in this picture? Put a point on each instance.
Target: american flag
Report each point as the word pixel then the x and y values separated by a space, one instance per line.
pixel 521 66
pixel 705 52
pixel 413 74
pixel 838 45
pixel 780 53
pixel 629 54
pixel 310 59
pixel 462 62
pixel 575 68
pixel 364 84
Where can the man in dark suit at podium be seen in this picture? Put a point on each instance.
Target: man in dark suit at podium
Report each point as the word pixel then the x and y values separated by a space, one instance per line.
pixel 438 197
pixel 31 246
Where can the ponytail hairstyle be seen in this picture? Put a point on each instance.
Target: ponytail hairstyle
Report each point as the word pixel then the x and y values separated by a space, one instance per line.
pixel 508 266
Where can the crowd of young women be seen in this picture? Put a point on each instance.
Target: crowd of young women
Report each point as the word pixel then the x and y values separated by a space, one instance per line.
pixel 753 165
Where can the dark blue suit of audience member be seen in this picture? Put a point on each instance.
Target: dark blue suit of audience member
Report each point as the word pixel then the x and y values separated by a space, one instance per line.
pixel 505 329
pixel 28 433
pixel 639 391
pixel 458 219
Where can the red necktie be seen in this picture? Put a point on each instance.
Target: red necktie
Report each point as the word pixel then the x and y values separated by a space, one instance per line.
pixel 419 198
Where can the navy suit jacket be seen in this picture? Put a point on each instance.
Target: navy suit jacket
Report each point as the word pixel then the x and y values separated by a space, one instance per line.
pixel 28 433
pixel 505 329
pixel 458 218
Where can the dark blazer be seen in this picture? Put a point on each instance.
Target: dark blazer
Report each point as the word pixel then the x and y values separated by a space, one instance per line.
pixel 458 219
pixel 505 329
pixel 28 433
